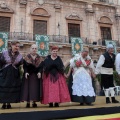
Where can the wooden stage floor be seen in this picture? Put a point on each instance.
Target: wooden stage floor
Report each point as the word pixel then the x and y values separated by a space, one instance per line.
pixel 20 107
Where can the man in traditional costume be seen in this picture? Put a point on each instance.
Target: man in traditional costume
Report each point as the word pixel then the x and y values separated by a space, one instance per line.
pixel 83 69
pixel 10 82
pixel 32 84
pixel 105 67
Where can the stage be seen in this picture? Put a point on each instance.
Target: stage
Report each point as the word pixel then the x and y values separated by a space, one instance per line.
pixel 65 111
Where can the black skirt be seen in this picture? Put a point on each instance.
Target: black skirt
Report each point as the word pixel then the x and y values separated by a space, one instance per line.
pixel 10 85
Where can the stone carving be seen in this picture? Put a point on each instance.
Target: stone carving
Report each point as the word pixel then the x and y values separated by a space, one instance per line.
pixel 73 16
pixel 23 2
pixel 3 5
pixel 89 9
pixel 5 8
pixel 40 12
pixel 105 19
pixel 41 2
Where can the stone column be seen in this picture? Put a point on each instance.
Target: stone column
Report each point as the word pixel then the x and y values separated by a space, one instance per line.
pixel 90 23
pixel 58 25
pixel 117 16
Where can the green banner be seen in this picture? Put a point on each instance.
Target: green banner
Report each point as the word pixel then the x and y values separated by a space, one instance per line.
pixel 77 45
pixel 113 43
pixel 3 41
pixel 42 42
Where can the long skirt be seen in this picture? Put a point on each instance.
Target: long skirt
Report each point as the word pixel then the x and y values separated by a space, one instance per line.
pixel 55 91
pixel 82 90
pixel 31 88
pixel 10 85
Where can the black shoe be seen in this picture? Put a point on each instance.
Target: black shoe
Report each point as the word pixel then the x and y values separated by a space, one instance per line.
pixel 3 106
pixel 81 104
pixel 114 100
pixel 90 104
pixel 34 105
pixel 28 105
pixel 107 100
pixel 56 104
pixel 9 106
pixel 50 104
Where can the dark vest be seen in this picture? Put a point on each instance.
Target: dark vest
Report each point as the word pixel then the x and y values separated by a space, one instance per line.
pixel 109 61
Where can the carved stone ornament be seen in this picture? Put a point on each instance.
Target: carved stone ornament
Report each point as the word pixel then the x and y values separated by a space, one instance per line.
pixel 41 2
pixel 23 2
pixel 73 16
pixel 3 5
pixel 40 12
pixel 105 20
pixel 5 9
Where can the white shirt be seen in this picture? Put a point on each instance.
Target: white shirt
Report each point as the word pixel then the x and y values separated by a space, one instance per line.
pixel 117 63
pixel 102 70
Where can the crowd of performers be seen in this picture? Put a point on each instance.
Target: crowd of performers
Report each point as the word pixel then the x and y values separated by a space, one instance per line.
pixel 44 79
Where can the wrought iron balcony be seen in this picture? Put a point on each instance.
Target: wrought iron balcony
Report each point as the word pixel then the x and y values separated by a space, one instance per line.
pixel 20 36
pixel 102 42
pixel 52 38
pixel 107 1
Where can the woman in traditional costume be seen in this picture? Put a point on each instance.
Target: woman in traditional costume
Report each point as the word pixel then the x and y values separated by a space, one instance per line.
pixel 55 88
pixel 10 82
pixel 82 69
pixel 32 84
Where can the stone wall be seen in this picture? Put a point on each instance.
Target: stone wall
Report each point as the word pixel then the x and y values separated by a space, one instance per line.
pixel 90 14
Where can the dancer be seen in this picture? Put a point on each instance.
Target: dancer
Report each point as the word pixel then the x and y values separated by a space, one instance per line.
pixel 55 89
pixel 105 67
pixel 32 84
pixel 82 66
pixel 10 82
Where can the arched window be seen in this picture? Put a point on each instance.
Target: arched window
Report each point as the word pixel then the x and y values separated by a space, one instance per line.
pixel 105 29
pixel 40 21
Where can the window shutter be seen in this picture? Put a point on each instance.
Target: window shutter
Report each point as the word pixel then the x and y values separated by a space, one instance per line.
pixel 4 24
pixel 40 27
pixel 74 30
pixel 106 33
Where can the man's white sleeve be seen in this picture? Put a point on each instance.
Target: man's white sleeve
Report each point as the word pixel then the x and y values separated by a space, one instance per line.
pixel 117 63
pixel 99 64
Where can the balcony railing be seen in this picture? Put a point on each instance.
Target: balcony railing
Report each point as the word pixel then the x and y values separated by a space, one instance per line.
pixel 20 36
pixel 52 38
pixel 107 1
pixel 102 42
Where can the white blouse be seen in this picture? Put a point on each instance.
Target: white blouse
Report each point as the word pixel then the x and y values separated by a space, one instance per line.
pixel 117 63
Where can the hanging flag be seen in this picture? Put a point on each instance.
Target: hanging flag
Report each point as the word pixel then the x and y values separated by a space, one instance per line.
pixel 3 41
pixel 42 42
pixel 77 45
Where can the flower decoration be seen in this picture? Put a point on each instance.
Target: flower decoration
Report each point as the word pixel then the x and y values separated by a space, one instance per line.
pixel 88 61
pixel 77 63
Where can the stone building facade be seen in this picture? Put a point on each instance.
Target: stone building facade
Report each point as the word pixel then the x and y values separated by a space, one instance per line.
pixel 92 20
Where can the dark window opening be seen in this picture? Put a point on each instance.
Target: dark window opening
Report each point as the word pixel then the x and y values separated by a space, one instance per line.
pixel 73 30
pixel 4 24
pixel 40 27
pixel 105 34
